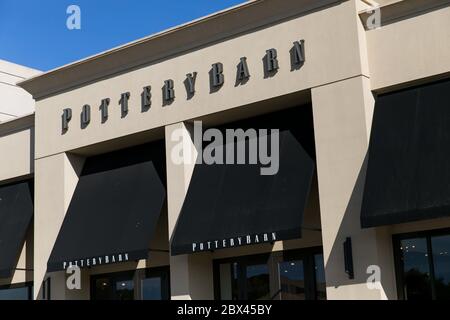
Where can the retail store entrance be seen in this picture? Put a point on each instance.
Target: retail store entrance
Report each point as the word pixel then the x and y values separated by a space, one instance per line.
pixel 142 284
pixel 282 275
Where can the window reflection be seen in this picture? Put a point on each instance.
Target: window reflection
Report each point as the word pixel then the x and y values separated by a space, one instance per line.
pixel 21 293
pixel 258 287
pixel 290 275
pixel 292 280
pixel 441 261
pixel 416 269
pixel 103 289
pixel 151 288
pixel 141 284
pixel 110 289
pixel 124 290
pixel 228 273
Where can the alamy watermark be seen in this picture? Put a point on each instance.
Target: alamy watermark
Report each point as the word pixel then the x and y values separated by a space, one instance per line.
pixel 73 281
pixel 73 21
pixel 374 15
pixel 374 279
pixel 236 146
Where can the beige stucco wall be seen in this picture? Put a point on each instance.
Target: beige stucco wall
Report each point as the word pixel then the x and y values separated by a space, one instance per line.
pixel 17 148
pixel 341 135
pixel 413 48
pixel 191 275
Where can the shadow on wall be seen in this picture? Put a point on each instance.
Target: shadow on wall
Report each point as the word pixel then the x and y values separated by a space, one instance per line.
pixel 365 253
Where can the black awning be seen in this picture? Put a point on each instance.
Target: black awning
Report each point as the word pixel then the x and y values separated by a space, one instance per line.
pixel 233 204
pixel 16 213
pixel 114 210
pixel 408 170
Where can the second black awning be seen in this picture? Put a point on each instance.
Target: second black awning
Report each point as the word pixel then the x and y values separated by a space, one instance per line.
pixel 114 210
pixel 229 205
pixel 408 170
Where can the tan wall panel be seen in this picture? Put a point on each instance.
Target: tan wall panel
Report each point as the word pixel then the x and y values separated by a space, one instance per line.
pixel 341 133
pixel 16 152
pixel 55 181
pixel 410 49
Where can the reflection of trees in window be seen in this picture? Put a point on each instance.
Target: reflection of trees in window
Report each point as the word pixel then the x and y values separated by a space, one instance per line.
pixel 292 281
pixel 442 289
pixel 426 266
pixel 22 292
pixel 292 288
pixel 258 287
pixel 288 275
pixel 417 285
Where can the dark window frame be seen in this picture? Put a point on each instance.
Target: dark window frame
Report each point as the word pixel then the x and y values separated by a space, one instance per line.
pixel 137 276
pixel 47 289
pixel 28 285
pixel 272 259
pixel 398 263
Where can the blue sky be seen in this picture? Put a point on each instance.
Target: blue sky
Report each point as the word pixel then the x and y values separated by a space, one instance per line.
pixel 34 33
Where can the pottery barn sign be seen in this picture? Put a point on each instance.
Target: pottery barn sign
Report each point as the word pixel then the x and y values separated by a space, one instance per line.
pixel 96 261
pixel 217 79
pixel 234 242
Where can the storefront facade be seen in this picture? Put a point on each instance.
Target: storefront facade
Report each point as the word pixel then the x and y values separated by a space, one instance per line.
pixel 109 198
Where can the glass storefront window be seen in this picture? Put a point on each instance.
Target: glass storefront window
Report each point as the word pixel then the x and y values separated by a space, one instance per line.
pixel 16 292
pixel 289 275
pixel 143 284
pixel 151 288
pixel 103 289
pixel 292 280
pixel 423 265
pixel 124 290
pixel 229 281
pixel 416 270
pixel 115 286
pixel 258 287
